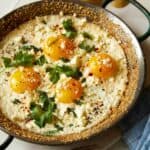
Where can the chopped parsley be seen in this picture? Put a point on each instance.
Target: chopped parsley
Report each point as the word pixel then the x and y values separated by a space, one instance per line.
pixel 44 99
pixel 6 61
pixel 83 80
pixel 87 35
pixel 70 34
pixel 71 110
pixel 16 101
pixel 52 132
pixel 67 70
pixel 70 72
pixel 68 24
pixel 70 30
pixel 58 127
pixel 41 60
pixel 42 114
pixel 65 59
pixel 20 59
pixel 23 58
pixel 29 47
pixel 85 46
pixel 78 102
pixel 71 125
pixel 54 74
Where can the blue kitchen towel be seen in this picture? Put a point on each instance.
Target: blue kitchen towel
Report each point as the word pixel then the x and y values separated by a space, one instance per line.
pixel 144 142
pixel 136 125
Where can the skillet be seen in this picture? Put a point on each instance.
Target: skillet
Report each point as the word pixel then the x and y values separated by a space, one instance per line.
pixel 115 27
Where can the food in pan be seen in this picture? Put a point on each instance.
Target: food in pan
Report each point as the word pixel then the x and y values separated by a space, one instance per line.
pixel 60 75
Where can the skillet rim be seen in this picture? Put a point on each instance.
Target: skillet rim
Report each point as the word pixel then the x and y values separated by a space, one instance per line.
pixel 141 58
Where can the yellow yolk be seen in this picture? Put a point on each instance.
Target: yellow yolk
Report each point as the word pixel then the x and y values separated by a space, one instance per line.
pixel 59 47
pixel 71 92
pixel 103 66
pixel 24 79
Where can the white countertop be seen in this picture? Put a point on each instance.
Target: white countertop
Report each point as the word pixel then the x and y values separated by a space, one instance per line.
pixel 137 22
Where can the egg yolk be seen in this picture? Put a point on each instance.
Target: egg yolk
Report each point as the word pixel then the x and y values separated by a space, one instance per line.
pixel 71 92
pixel 24 79
pixel 59 47
pixel 103 66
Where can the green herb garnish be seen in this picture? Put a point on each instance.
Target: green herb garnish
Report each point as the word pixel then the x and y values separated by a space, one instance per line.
pixel 71 110
pixel 7 62
pixel 70 125
pixel 65 59
pixel 70 30
pixel 41 60
pixel 42 114
pixel 20 59
pixel 58 70
pixel 70 72
pixel 58 127
pixel 54 74
pixel 16 101
pixel 78 102
pixel 23 59
pixel 83 80
pixel 85 46
pixel 43 98
pixel 70 34
pixel 50 133
pixel 54 77
pixel 87 35
pixel 29 47
pixel 68 25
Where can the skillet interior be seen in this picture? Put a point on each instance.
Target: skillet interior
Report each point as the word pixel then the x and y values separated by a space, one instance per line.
pixel 105 21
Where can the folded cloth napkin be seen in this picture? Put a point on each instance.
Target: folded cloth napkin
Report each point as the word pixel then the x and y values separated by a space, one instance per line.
pixel 136 125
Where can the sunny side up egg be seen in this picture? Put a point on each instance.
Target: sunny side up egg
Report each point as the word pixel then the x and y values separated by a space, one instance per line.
pixel 70 92
pixel 103 66
pixel 24 79
pixel 59 47
pixel 41 77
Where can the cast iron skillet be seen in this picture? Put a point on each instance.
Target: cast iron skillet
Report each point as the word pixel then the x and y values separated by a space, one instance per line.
pixel 25 13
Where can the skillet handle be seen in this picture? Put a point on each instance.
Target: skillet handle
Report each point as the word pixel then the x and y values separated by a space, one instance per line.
pixel 143 10
pixel 6 143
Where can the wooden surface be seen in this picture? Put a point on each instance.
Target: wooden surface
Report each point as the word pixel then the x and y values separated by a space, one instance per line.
pixel 113 135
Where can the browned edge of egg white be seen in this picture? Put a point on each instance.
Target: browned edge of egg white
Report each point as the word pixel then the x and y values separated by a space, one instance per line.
pixel 99 17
